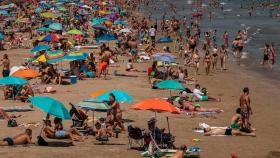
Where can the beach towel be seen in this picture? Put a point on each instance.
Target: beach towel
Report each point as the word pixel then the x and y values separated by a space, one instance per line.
pixel 191 112
pixel 17 109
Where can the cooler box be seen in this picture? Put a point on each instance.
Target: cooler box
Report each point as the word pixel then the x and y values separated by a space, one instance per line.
pixel 73 79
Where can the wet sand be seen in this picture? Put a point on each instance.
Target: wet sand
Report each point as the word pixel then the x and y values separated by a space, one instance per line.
pixel 227 85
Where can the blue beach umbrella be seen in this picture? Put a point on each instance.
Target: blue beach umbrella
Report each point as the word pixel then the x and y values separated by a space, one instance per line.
pixel 50 106
pixel 2 36
pixel 121 96
pixel 12 80
pixel 94 105
pixel 40 48
pixel 107 37
pixel 96 21
pixel 165 40
pixel 166 59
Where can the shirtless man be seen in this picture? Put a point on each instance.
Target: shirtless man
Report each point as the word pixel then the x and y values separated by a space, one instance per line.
pixel 21 139
pixel 6 65
pixel 133 49
pixel 226 132
pixel 246 110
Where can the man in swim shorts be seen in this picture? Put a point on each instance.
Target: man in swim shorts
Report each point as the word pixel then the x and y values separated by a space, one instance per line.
pixel 21 139
pixel 226 132
pixel 201 96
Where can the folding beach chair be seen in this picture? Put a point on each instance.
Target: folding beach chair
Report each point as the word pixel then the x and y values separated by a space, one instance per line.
pixel 78 119
pixel 135 136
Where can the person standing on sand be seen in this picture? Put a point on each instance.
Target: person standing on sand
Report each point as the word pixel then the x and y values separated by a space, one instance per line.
pixel 195 61
pixel 6 65
pixel 207 62
pixel 223 57
pixel 246 109
pixel 133 49
pixel 266 51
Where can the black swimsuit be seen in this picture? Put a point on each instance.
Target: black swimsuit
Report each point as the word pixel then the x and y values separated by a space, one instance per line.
pixel 228 132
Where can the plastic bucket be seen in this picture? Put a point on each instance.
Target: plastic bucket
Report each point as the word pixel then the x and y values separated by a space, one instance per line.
pixel 73 79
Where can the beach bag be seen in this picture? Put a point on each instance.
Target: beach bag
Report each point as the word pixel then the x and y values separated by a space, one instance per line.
pixel 41 141
pixel 12 123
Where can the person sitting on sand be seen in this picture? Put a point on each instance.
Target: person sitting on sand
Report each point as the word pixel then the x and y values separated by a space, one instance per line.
pixel 51 133
pixel 201 96
pixel 8 92
pixel 129 66
pixel 189 106
pixel 103 129
pixel 26 93
pixel 4 115
pixel 21 139
pixel 236 119
pixel 226 132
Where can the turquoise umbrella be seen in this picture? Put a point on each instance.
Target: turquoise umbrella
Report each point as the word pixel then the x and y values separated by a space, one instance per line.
pixel 12 80
pixel 121 96
pixel 43 29
pixel 170 84
pixel 55 26
pixel 120 22
pixel 94 105
pixel 50 106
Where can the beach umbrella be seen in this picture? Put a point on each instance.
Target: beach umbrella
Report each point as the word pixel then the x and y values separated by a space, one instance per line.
pixel 75 32
pixel 62 9
pixel 12 80
pixel 43 29
pixel 97 93
pixel 166 59
pixel 2 36
pixel 165 40
pixel 76 56
pixel 108 23
pixel 96 21
pixel 120 22
pixel 41 58
pixel 125 30
pixel 16 68
pixel 50 106
pixel 26 73
pixel 156 105
pixel 164 54
pixel 40 48
pixel 94 105
pixel 50 37
pixel 107 37
pixel 101 27
pixel 49 15
pixel 55 26
pixel 121 96
pixel 55 55
pixel 170 84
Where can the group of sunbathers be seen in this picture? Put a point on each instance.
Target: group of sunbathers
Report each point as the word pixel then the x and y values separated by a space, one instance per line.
pixel 21 93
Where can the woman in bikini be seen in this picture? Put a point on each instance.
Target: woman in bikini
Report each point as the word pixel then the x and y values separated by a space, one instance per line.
pixel 223 57
pixel 116 111
pixel 195 60
pixel 214 56
pixel 207 62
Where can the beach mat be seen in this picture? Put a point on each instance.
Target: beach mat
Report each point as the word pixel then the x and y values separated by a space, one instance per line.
pixel 17 109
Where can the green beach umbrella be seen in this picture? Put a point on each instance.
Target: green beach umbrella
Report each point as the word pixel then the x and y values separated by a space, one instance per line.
pixel 75 32
pixel 50 106
pixel 62 9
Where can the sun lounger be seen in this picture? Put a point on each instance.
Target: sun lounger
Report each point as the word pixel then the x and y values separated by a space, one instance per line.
pixel 17 109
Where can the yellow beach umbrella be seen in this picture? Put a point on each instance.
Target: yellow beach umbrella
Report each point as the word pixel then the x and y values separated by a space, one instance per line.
pixel 48 15
pixel 41 58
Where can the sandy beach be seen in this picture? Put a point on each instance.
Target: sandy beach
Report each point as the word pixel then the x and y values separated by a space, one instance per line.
pixel 227 85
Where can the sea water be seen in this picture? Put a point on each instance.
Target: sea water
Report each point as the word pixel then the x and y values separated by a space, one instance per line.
pixel 261 26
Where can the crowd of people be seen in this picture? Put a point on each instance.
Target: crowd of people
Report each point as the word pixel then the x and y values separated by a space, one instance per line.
pixel 188 53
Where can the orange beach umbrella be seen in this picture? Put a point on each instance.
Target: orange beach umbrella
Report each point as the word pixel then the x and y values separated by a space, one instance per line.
pixel 156 105
pixel 26 73
pixel 97 93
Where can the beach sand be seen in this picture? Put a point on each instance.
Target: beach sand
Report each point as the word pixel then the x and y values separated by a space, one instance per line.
pixel 227 85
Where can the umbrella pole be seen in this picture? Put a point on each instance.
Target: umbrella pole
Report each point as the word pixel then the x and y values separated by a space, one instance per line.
pixel 170 93
pixel 93 120
pixel 168 124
